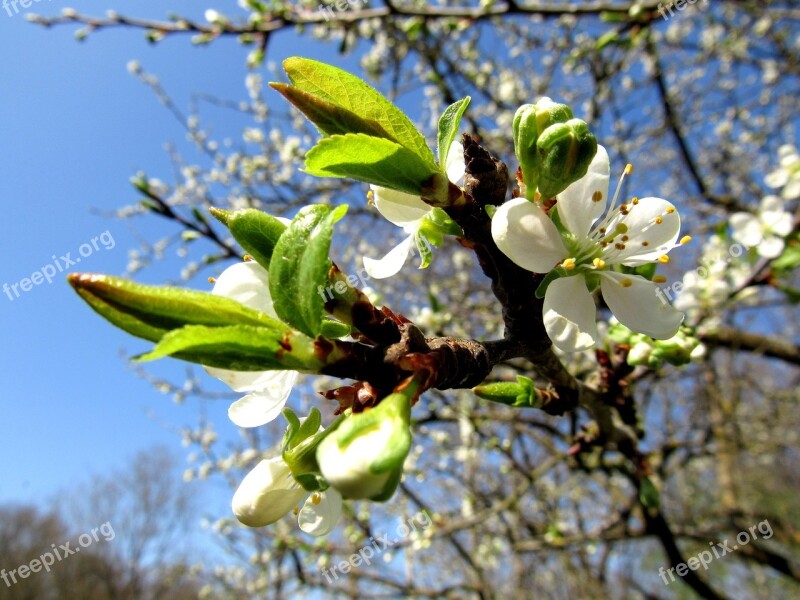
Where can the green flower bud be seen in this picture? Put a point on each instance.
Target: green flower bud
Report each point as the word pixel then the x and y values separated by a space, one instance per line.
pixel 521 393
pixel 566 150
pixel 640 354
pixel 364 456
pixel 530 121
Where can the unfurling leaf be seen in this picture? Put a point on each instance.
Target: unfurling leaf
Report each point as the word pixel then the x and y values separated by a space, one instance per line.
pixel 150 312
pixel 239 348
pixel 299 267
pixel 257 232
pixel 523 392
pixel 449 123
pixel 347 91
pixel 377 161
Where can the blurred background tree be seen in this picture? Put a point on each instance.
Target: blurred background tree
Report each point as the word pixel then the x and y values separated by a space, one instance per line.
pixel 700 98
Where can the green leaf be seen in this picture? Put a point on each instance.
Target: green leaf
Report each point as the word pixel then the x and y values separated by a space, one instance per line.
pixel 239 348
pixel 521 393
pixel 150 312
pixel 789 258
pixel 425 253
pixel 449 123
pixel 648 494
pixel 299 267
pixel 373 160
pixel 257 232
pixel 351 93
pixel 334 329
pixel 330 118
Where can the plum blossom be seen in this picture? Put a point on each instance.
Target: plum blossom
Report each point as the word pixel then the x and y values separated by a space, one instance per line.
pixel 764 231
pixel 787 175
pixel 267 391
pixel 269 492
pixel 585 246
pixel 407 211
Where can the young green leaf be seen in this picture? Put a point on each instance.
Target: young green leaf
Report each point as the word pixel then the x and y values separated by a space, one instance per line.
pixel 375 160
pixel 299 267
pixel 239 348
pixel 257 232
pixel 150 312
pixel 449 123
pixel 351 93
pixel 330 118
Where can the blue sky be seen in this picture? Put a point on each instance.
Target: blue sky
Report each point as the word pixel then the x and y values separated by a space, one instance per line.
pixel 75 125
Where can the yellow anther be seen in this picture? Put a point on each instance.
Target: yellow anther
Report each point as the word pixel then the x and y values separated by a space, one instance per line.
pixel 686 239
pixel 625 238
pixel 659 279
pixel 659 220
pixel 599 263
pixel 663 259
pixel 635 201
pixel 597 196
pixel 316 498
pixel 296 511
pixel 370 198
pixel 621 228
pixel 645 243
pixel 628 169
pixel 670 210
pixel 247 258
pixel 568 264
pixel 626 283
pixel 619 246
pixel 212 280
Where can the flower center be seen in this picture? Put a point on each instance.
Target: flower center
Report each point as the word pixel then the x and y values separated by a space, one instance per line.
pixel 609 241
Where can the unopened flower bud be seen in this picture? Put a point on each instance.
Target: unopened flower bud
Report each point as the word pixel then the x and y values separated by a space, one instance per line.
pixel 364 457
pixel 566 150
pixel 266 494
pixel 529 122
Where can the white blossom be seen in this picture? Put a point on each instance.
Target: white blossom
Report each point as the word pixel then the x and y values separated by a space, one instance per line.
pixel 407 211
pixel 268 391
pixel 634 233
pixel 764 231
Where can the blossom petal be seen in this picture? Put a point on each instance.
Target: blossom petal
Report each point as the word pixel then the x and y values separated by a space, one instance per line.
pixel 526 235
pixel 248 284
pixel 399 208
pixel 792 189
pixel 321 512
pixel 653 226
pixel 638 305
pixel 773 218
pixel 391 263
pixel 777 178
pixel 771 246
pixel 570 314
pixel 265 403
pixel 746 229
pixel 249 381
pixel 455 166
pixel 577 207
pixel 266 493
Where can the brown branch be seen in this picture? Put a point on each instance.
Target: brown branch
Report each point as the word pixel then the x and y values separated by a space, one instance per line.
pixel 752 342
